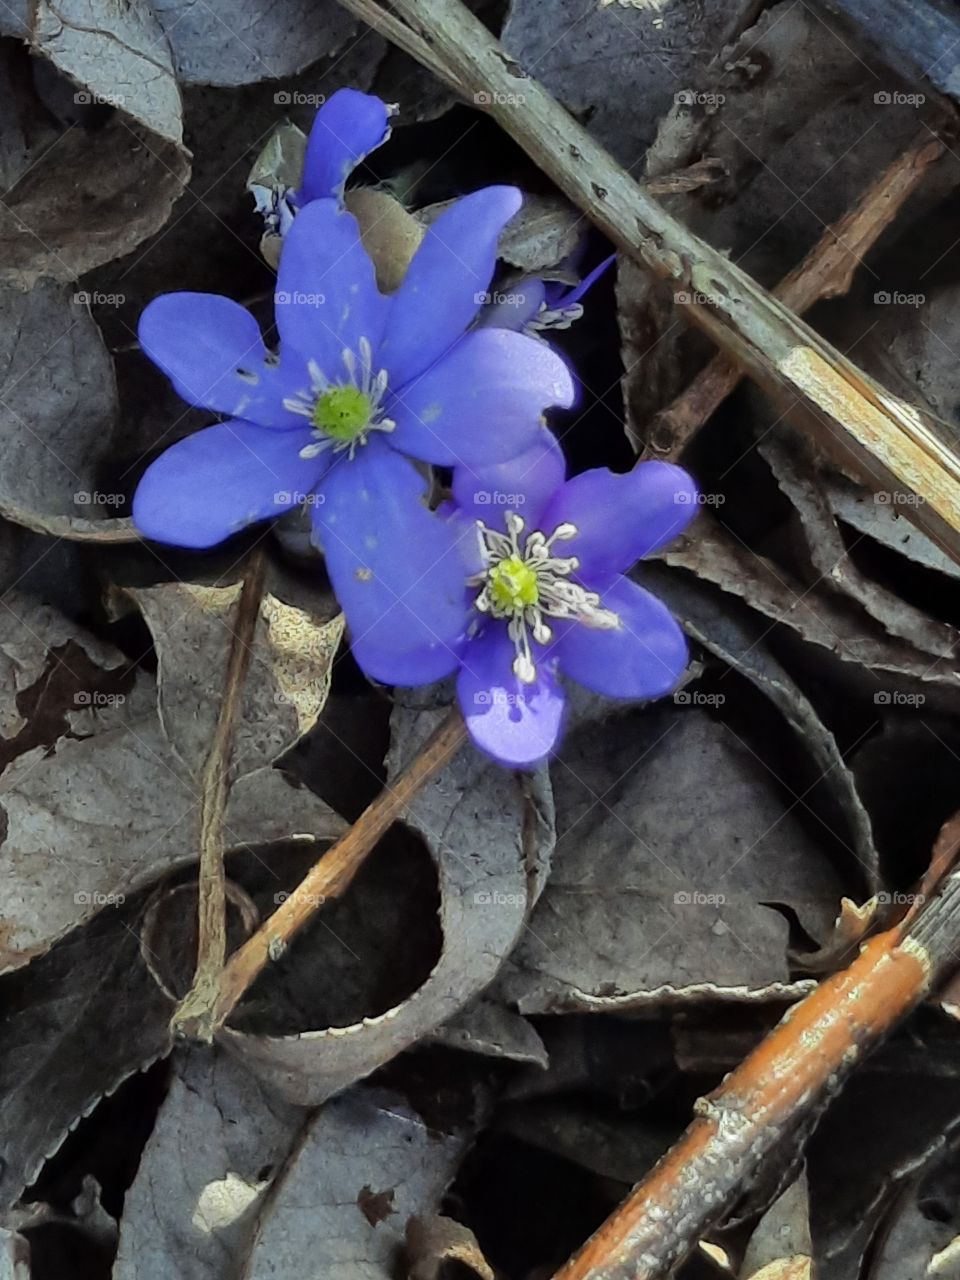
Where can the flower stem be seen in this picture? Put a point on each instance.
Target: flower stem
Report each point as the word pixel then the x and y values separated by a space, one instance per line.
pixel 215 792
pixel 328 878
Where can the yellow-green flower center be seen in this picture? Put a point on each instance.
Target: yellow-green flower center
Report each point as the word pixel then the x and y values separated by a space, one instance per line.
pixel 512 585
pixel 342 412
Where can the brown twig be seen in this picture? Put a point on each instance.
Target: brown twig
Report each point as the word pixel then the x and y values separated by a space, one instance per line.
pixel 327 879
pixel 826 272
pixel 215 792
pixel 802 1061
pixel 885 442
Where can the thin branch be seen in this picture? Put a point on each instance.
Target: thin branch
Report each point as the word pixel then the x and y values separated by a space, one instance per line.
pixel 885 442
pixel 804 1060
pixel 215 792
pixel 328 878
pixel 826 272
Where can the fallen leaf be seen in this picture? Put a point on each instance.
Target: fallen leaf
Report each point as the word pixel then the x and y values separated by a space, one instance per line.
pixel 621 68
pixel 830 557
pixel 95 805
pixel 117 54
pixel 286 687
pixel 732 633
pixel 215 1152
pixel 676 841
pixel 713 555
pixel 58 408
pixel 490 841
pixel 363 1140
pixel 235 42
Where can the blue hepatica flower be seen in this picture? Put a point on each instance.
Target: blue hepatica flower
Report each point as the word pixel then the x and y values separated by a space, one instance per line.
pixel 533 305
pixel 360 379
pixel 543 595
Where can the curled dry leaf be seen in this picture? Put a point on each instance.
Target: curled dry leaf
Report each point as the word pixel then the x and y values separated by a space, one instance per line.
pixel 489 839
pixel 116 53
pixel 365 1165
pixel 215 1152
pixel 732 633
pixel 830 557
pixel 77 1022
pixel 676 845
pixel 884 522
pixel 95 804
pixel 713 555
pixel 58 406
pixel 434 1242
pixel 285 691
pixel 123 183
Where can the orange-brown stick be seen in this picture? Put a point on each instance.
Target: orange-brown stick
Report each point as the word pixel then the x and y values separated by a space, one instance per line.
pixel 803 1061
pixel 328 878
pixel 817 1043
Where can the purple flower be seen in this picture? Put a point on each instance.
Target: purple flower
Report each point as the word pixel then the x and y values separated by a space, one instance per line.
pixel 533 305
pixel 360 378
pixel 345 130
pixel 348 126
pixel 542 595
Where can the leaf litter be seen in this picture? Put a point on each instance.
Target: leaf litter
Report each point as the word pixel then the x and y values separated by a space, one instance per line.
pixel 556 954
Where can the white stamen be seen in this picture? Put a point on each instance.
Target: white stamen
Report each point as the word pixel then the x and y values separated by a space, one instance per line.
pixel 360 374
pixel 557 595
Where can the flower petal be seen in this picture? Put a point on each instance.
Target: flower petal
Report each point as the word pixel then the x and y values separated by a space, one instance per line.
pixel 482 402
pixel 446 282
pixel 327 297
pixel 396 567
pixel 525 484
pixel 621 518
pixel 518 724
pixel 209 485
pixel 212 350
pixel 514 308
pixel 347 127
pixel 642 658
